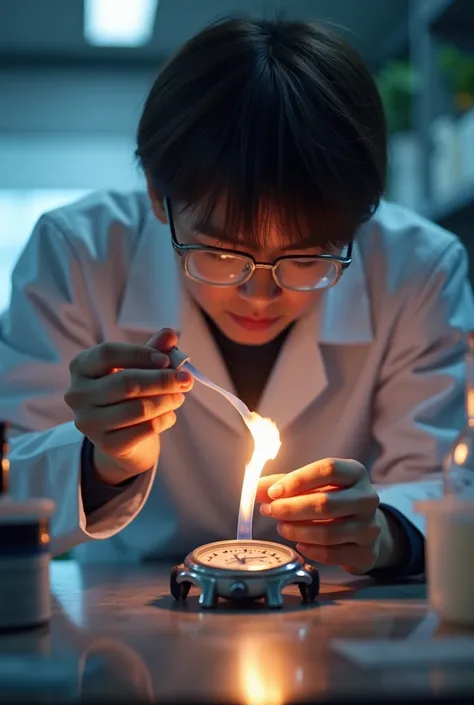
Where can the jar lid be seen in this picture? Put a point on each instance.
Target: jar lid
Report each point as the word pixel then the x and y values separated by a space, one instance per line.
pixel 12 511
pixel 454 505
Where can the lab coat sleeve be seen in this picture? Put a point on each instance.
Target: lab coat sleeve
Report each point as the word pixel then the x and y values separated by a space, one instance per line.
pixel 50 319
pixel 419 404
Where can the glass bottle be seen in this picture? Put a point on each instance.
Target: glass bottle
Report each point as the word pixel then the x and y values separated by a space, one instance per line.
pixel 459 463
pixel 4 462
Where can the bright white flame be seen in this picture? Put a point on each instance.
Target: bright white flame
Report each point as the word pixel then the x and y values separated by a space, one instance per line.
pixel 267 444
pixel 119 22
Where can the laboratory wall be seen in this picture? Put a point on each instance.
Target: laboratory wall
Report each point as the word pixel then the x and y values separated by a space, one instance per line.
pixel 63 133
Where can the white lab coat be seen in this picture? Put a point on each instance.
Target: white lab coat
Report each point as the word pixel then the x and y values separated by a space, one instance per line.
pixel 375 372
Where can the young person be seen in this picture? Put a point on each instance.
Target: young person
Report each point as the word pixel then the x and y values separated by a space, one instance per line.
pixel 264 242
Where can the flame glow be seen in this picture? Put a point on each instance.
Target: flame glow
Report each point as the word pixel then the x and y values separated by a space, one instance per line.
pixel 461 452
pixel 262 674
pixel 266 446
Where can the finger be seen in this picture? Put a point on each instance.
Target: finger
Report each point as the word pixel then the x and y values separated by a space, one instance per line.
pixel 128 384
pixel 264 484
pixel 322 473
pixel 262 489
pixel 164 340
pixel 354 558
pixel 104 358
pixel 123 441
pixel 323 505
pixel 331 533
pixel 127 413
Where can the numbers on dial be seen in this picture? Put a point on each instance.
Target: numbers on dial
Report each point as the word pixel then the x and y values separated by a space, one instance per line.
pixel 244 556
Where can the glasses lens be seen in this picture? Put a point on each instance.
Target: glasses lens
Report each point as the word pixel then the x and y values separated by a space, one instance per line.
pixel 306 274
pixel 218 267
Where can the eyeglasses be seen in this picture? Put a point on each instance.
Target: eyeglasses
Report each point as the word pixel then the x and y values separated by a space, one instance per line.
pixel 219 267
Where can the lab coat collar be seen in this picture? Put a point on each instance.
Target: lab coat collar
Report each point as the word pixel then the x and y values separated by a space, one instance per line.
pixel 154 298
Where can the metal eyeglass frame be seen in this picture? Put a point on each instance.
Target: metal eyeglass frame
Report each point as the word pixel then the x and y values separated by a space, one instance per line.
pixel 185 251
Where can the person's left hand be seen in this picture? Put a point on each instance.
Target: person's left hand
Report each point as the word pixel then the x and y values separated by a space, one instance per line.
pixel 330 510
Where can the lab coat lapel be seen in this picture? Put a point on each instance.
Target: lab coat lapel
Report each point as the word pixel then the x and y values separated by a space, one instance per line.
pixel 154 299
pixel 299 377
pixel 197 342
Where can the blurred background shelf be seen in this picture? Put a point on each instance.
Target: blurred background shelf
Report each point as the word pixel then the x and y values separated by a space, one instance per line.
pixel 447 15
pixel 452 212
pixel 395 45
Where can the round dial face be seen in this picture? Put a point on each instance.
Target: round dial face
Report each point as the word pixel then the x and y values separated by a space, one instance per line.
pixel 244 556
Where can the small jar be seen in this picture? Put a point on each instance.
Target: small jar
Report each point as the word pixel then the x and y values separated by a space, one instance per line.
pixel 25 555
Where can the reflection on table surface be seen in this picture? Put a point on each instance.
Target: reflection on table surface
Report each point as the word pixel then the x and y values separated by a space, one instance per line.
pixel 117 633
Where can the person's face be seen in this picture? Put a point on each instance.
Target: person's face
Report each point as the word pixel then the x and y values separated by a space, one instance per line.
pixel 257 311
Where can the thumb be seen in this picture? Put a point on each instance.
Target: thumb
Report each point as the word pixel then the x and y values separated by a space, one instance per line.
pixel 264 485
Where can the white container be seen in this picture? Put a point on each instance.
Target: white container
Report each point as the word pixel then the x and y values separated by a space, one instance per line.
pixel 25 597
pixel 450 557
pixel 405 170
pixel 445 162
pixel 466 147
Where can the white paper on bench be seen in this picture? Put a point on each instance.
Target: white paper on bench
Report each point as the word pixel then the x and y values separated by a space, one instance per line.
pixel 376 653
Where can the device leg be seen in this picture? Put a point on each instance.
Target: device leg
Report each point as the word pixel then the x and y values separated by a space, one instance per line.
pixel 208 597
pixel 309 592
pixel 274 598
pixel 179 590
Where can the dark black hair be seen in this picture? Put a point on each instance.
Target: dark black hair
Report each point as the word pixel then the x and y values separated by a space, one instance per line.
pixel 282 119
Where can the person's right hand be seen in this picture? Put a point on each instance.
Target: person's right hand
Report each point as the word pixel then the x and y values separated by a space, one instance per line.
pixel 123 397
